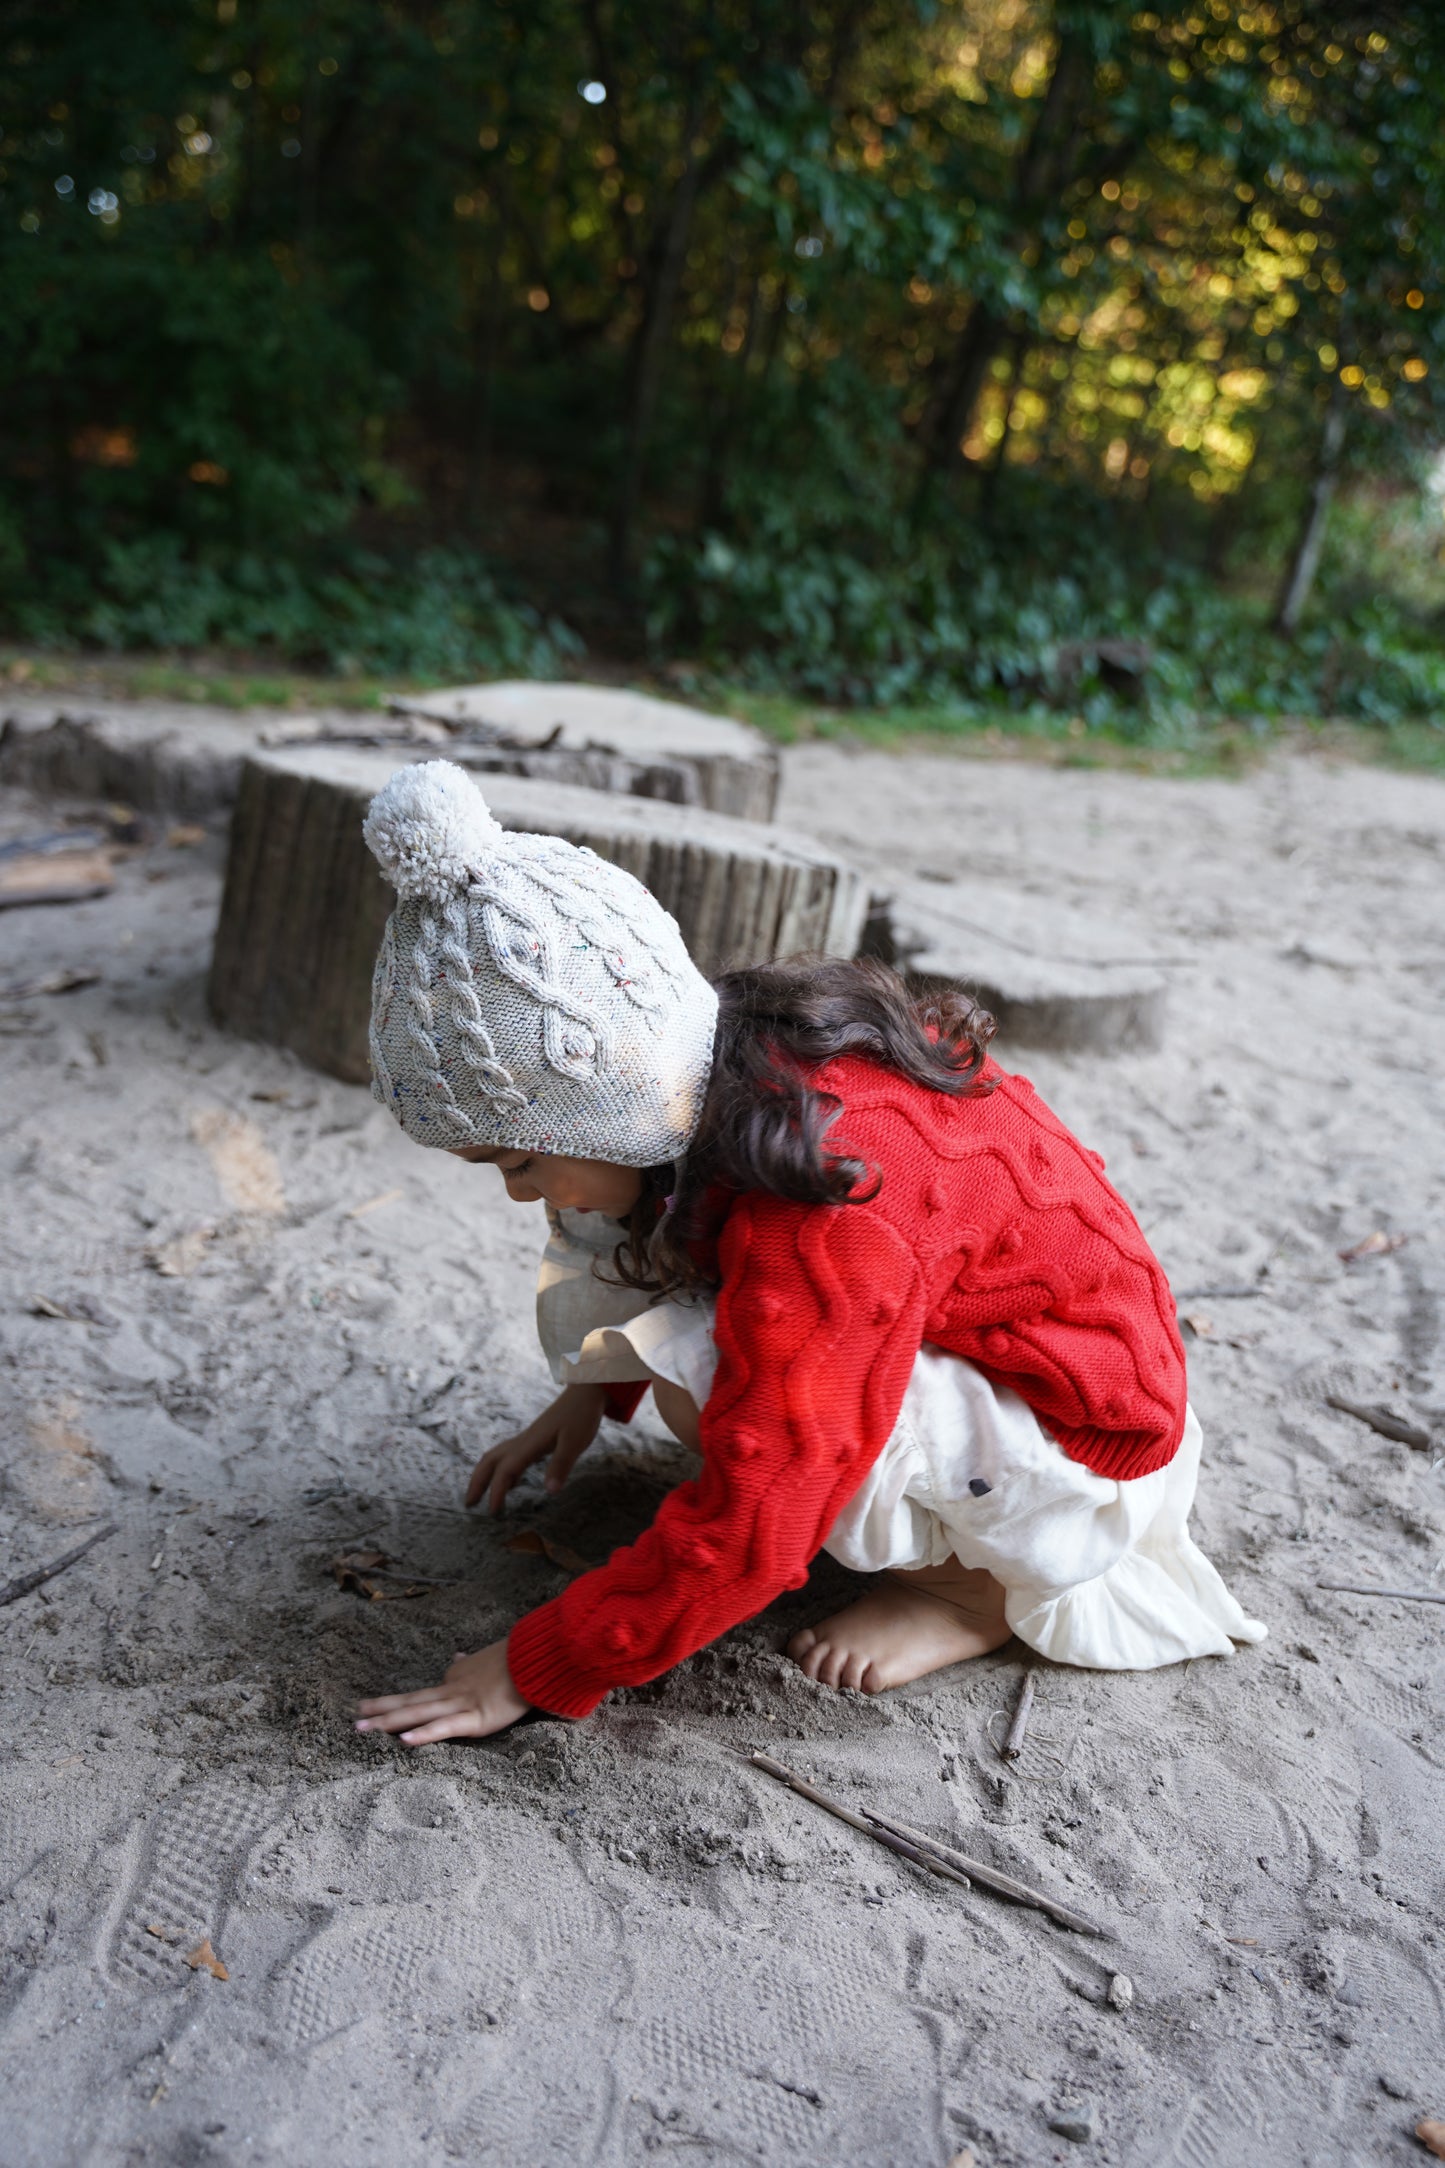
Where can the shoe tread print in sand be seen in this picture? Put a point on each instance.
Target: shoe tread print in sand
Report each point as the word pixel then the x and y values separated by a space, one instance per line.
pixel 465 1927
pixel 189 1856
pixel 768 2063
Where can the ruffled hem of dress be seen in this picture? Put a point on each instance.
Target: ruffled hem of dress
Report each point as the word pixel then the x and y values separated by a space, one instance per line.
pixel 667 1341
pixel 1152 1607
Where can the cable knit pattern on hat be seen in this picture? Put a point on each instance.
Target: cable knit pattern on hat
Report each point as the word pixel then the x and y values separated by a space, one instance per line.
pixel 995 1236
pixel 527 994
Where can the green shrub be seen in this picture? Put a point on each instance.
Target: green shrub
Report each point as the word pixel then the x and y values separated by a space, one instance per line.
pixel 440 616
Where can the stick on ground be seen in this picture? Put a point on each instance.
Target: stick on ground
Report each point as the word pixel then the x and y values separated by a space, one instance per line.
pixel 905 1847
pixel 25 1582
pixel 1395 1595
pixel 1382 1421
pixel 1003 1884
pixel 1013 1745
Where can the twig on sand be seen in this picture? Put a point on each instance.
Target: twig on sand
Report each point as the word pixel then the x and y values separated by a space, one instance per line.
pixel 1013 1745
pixel 903 1846
pixel 1003 1884
pixel 1393 1595
pixel 25 1582
pixel 1381 1420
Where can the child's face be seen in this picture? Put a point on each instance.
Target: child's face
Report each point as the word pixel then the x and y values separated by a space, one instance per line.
pixel 569 1185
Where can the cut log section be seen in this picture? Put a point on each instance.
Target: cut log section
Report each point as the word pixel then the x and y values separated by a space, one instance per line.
pixel 1052 977
pixel 732 766
pixel 159 759
pixel 304 903
pixel 176 758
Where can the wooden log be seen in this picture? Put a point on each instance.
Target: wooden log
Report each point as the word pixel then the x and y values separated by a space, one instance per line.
pixel 173 758
pixel 304 904
pixel 159 758
pixel 734 766
pixel 1051 977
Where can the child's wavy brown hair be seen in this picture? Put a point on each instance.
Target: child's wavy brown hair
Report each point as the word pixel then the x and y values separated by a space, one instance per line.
pixel 764 1126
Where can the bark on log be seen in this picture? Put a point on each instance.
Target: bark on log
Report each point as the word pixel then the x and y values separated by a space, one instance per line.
pixel 304 904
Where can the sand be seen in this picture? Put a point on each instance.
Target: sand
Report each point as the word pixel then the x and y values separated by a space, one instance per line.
pixel 291 1332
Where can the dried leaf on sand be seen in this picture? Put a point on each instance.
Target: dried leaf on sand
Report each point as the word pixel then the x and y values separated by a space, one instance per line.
pixel 1378 1244
pixel 378 1576
pixel 537 1545
pixel 204 1958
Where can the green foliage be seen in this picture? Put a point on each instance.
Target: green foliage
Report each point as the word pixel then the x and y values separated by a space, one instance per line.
pixel 440 616
pixel 959 630
pixel 867 349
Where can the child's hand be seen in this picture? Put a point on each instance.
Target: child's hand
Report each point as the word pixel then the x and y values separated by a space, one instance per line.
pixel 565 1430
pixel 476 1697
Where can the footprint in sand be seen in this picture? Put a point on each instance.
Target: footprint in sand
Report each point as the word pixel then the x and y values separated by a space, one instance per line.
pixel 190 1854
pixel 764 2057
pixel 1408 1707
pixel 452 1910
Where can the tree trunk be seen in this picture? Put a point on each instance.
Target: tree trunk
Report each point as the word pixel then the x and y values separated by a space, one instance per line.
pixel 1046 163
pixel 1304 563
pixel 666 259
pixel 483 389
pixel 712 496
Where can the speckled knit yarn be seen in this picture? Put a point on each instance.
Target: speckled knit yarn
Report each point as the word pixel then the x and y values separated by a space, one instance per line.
pixel 528 994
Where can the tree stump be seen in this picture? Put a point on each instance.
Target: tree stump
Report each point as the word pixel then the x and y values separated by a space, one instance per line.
pixel 304 903
pixel 724 765
pixel 1050 976
pixel 171 757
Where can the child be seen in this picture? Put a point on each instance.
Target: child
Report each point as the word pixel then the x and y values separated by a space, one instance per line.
pixel 868 1274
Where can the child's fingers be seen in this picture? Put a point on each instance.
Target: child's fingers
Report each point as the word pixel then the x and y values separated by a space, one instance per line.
pixel 571 1445
pixel 407 1710
pixel 384 1704
pixel 503 1478
pixel 468 1723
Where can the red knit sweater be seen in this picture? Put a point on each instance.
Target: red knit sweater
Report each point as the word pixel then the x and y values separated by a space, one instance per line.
pixel 994 1235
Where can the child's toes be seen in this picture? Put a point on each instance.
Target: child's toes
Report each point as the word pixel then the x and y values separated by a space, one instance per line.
pixel 801 1643
pixel 835 1663
pixel 854 1671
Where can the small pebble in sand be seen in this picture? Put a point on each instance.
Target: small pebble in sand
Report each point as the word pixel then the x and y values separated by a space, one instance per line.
pixel 1078 2123
pixel 1121 1992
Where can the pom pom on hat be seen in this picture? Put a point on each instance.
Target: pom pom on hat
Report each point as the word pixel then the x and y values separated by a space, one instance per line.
pixel 429 830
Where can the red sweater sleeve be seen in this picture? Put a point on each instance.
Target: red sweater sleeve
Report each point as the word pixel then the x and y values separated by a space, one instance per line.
pixel 813 1362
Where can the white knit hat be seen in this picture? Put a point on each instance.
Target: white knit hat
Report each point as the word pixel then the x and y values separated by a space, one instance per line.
pixel 528 994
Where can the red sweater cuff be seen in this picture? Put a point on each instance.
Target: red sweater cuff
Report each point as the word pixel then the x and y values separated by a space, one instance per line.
pixel 543 1669
pixel 622 1401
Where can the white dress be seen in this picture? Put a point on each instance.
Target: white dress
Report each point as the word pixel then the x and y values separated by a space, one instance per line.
pixel 1095 1571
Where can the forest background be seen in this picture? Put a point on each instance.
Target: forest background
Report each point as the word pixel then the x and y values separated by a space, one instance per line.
pixel 998 362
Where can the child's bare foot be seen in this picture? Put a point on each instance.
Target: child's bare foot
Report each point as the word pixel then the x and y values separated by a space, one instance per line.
pixel 911 1624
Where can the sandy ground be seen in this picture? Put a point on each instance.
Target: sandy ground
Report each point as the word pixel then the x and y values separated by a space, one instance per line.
pixel 613 1941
